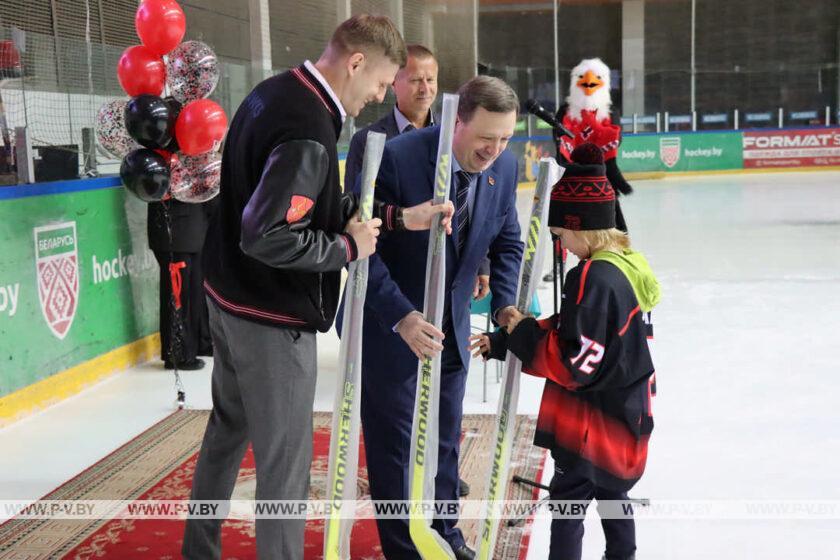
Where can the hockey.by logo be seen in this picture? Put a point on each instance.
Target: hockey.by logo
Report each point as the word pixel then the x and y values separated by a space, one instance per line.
pixel 57 268
pixel 669 151
pixel 9 299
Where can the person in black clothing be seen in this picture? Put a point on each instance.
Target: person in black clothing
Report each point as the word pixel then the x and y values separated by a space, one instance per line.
pixel 181 280
pixel 273 261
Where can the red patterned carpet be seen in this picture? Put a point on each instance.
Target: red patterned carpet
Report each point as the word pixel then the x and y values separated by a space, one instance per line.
pixel 158 465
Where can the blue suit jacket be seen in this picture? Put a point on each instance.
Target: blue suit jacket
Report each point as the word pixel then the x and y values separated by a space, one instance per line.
pixel 396 284
pixel 353 164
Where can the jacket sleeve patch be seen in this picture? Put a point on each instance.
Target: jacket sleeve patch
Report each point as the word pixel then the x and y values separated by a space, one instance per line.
pixel 298 207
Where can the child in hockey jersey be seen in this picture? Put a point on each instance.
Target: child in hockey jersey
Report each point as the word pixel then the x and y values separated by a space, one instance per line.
pixel 595 414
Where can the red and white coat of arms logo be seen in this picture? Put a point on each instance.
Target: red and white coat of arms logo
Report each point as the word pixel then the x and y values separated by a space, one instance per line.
pixel 57 268
pixel 669 151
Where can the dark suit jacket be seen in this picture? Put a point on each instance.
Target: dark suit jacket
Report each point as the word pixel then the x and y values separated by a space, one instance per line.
pixel 397 276
pixel 388 125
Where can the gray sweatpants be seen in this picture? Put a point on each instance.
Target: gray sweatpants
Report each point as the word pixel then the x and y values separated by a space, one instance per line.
pixel 263 391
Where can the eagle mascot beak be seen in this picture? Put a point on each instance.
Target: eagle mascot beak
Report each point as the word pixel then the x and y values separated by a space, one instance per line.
pixel 590 82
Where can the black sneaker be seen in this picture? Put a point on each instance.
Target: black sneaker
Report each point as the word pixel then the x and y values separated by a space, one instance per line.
pixel 191 365
pixel 463 488
pixel 464 553
pixel 548 277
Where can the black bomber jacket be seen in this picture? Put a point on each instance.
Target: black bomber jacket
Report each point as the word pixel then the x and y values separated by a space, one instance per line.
pixel 276 246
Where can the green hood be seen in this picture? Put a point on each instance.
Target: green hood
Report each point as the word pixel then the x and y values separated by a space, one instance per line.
pixel 637 270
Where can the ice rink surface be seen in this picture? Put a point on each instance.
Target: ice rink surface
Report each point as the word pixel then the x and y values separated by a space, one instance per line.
pixel 746 352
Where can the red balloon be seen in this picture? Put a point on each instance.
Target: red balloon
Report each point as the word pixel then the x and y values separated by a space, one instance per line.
pixel 141 71
pixel 200 127
pixel 160 25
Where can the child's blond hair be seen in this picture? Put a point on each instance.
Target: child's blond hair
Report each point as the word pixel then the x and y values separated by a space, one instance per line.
pixel 604 239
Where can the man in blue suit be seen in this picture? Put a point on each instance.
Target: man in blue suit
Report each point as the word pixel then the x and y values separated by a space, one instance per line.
pixel 395 331
pixel 415 88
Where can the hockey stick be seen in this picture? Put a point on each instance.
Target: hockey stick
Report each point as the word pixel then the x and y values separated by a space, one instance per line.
pixel 643 502
pixel 424 429
pixel 532 260
pixel 344 442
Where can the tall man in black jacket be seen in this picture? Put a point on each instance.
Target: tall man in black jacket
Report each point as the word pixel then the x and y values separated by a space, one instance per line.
pixel 273 259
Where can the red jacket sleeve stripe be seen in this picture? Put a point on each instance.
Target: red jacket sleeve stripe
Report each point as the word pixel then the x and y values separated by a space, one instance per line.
pixel 629 318
pixel 548 361
pixel 583 280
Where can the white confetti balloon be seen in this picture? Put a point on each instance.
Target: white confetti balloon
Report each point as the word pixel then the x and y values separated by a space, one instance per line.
pixel 192 71
pixel 195 179
pixel 110 129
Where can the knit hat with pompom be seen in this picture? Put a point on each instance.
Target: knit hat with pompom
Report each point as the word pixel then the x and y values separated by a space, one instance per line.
pixel 583 199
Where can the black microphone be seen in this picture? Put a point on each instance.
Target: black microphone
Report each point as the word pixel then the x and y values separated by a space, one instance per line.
pixel 541 112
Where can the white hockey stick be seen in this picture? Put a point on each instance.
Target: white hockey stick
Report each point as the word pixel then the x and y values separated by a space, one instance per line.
pixel 344 442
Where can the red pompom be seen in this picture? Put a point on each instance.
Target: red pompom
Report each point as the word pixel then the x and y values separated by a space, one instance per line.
pixel 587 154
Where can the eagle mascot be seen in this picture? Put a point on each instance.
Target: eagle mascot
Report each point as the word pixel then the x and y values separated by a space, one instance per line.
pixel 586 115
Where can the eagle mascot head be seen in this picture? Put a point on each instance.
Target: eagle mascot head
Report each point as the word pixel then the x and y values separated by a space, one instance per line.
pixel 589 89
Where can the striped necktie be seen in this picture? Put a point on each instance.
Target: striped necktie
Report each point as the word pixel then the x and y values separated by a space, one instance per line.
pixel 462 209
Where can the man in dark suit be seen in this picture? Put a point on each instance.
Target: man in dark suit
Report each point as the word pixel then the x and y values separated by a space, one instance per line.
pixel 395 331
pixel 415 88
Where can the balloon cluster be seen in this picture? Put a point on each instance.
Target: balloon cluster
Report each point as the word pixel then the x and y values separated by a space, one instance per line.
pixel 168 133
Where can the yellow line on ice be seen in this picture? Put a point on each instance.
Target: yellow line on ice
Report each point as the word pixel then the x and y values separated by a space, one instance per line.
pixel 72 381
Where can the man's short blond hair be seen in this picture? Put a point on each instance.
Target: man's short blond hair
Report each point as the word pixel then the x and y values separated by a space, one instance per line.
pixel 419 52
pixel 369 34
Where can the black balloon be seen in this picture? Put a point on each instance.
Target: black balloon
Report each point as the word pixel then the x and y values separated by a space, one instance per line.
pixel 174 108
pixel 150 120
pixel 145 174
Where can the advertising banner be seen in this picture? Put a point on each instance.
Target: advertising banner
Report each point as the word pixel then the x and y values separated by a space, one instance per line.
pixel 711 151
pixel 77 280
pixel 792 148
pixel 680 152
pixel 704 151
